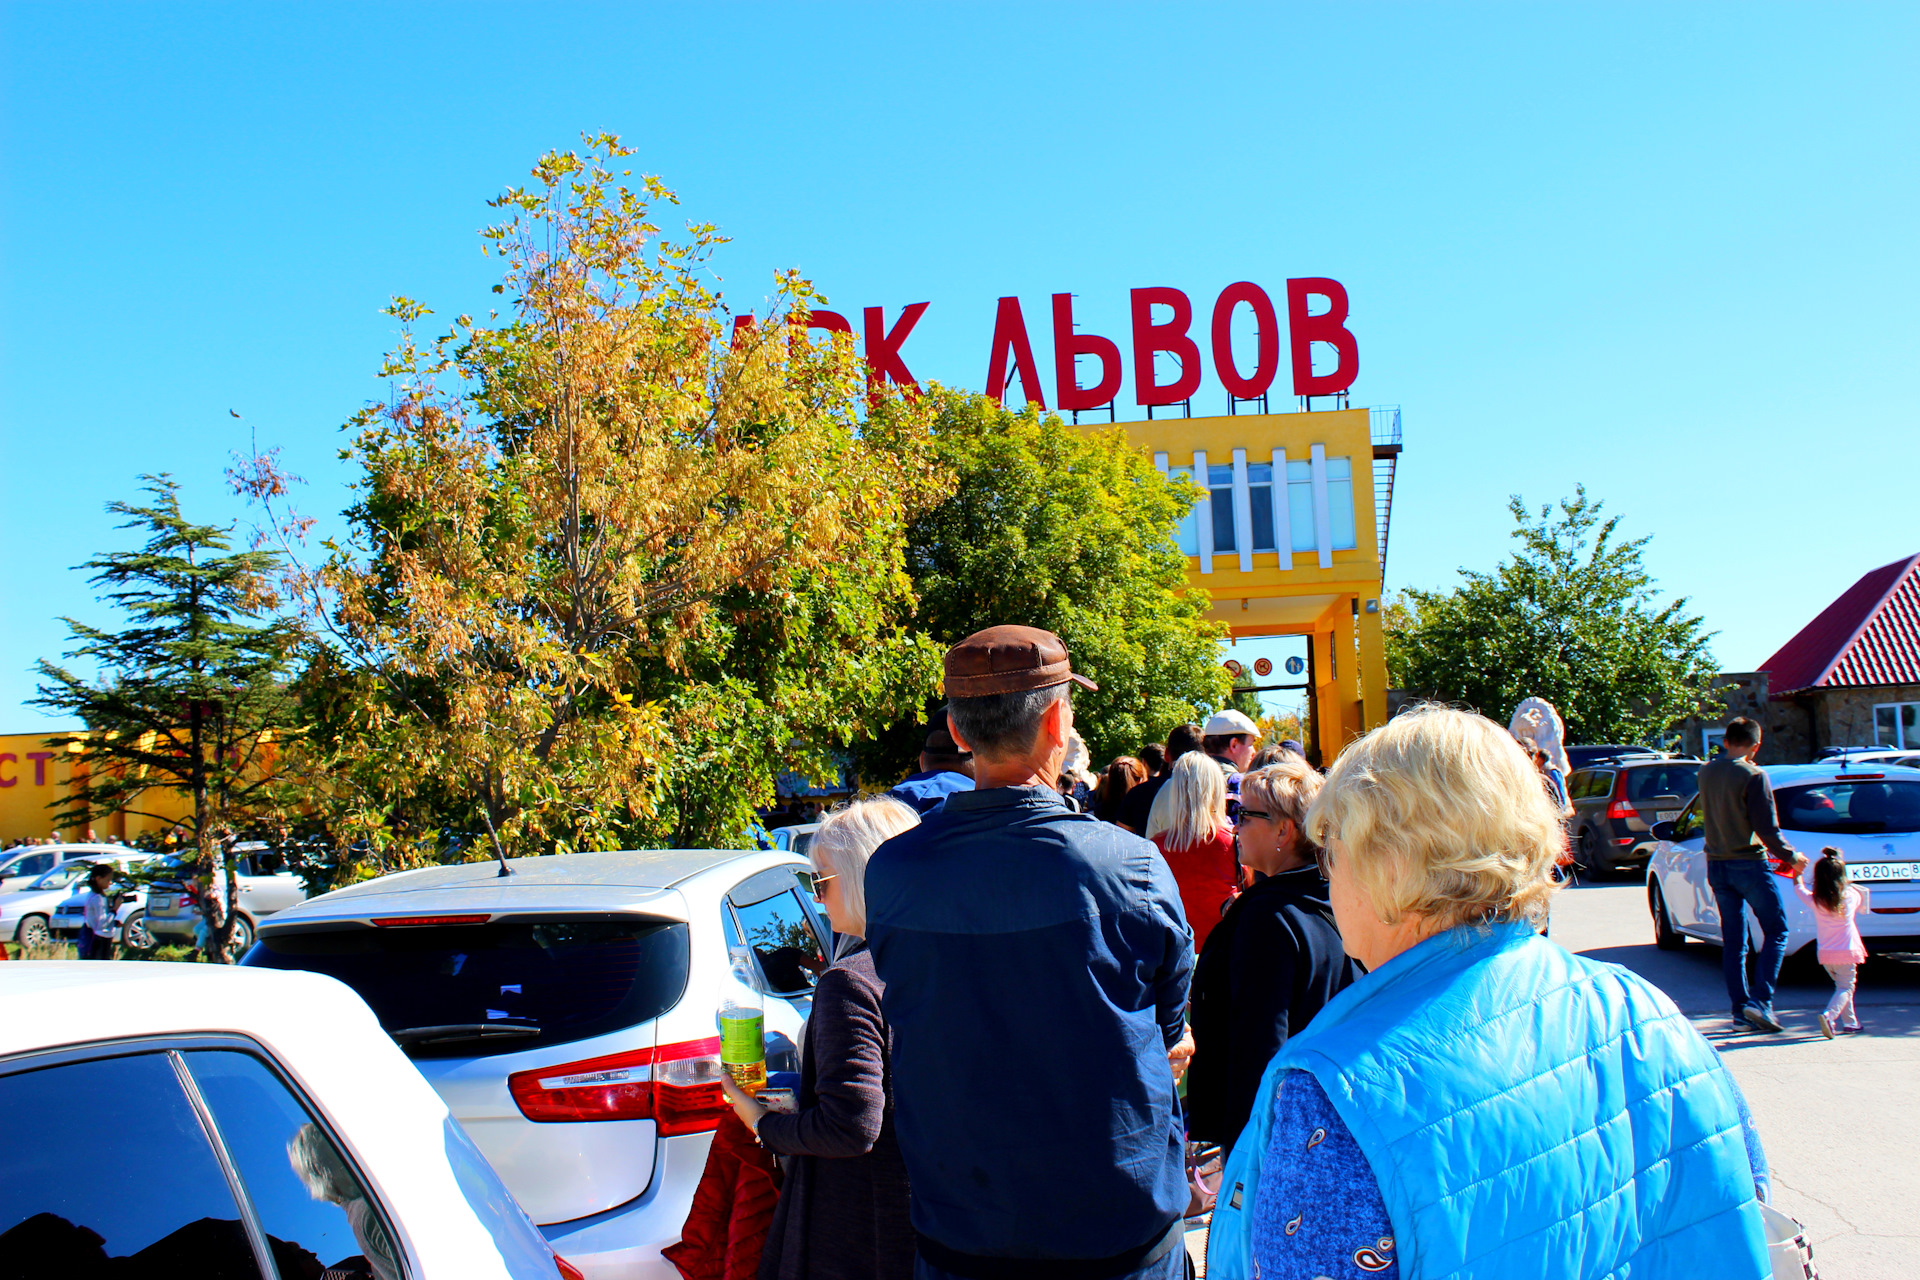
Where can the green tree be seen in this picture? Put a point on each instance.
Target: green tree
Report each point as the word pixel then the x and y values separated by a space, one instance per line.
pixel 615 561
pixel 1572 617
pixel 190 698
pixel 1054 527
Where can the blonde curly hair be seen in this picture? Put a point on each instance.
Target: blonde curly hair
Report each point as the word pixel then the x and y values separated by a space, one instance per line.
pixel 1442 815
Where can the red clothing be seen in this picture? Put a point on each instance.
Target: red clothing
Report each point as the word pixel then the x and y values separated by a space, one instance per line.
pixel 732 1209
pixel 1205 874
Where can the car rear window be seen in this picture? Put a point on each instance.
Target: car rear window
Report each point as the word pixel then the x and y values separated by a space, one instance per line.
pixel 473 990
pixel 1662 780
pixel 1850 808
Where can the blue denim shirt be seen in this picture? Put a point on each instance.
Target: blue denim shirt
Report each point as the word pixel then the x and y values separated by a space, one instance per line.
pixel 1036 964
pixel 926 791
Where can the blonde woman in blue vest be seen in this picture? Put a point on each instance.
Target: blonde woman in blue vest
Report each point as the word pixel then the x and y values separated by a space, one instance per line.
pixel 1481 1103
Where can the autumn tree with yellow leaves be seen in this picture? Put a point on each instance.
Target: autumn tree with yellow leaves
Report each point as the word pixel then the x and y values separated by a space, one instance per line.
pixel 614 562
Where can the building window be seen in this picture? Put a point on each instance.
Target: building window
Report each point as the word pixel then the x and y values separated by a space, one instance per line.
pixel 1300 505
pixel 1897 724
pixel 1186 534
pixel 1340 502
pixel 1260 500
pixel 1220 481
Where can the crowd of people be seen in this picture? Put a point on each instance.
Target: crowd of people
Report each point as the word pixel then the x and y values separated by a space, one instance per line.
pixel 1387 1068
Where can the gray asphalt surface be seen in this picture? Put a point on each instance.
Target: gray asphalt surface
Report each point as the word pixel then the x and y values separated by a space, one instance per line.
pixel 1840 1118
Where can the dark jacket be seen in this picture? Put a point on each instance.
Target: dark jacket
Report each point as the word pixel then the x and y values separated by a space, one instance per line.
pixel 1270 964
pixel 842 1213
pixel 1036 965
pixel 926 791
pixel 1737 812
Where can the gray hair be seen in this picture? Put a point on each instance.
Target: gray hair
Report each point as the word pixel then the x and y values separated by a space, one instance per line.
pixel 1004 724
pixel 847 838
pixel 321 1167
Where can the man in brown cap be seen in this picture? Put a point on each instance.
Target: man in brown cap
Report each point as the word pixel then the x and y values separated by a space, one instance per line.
pixel 1036 964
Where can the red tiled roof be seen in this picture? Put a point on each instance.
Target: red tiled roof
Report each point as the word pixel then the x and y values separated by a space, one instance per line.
pixel 1869 636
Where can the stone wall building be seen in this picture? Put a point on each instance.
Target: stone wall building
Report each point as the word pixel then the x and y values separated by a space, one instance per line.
pixel 1849 678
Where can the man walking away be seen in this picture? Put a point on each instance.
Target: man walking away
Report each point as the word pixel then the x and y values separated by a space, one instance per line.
pixel 1742 827
pixel 1036 964
pixel 944 769
pixel 1138 805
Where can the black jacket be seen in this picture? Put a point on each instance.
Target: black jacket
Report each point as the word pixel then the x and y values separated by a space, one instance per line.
pixel 1270 964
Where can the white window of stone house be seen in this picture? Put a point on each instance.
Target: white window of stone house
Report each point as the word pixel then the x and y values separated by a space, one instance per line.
pixel 1220 481
pixel 1897 724
pixel 1710 740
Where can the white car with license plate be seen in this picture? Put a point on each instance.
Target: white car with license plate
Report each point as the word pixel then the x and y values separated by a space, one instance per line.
pixel 210 1121
pixel 267 884
pixel 567 1015
pixel 1871 813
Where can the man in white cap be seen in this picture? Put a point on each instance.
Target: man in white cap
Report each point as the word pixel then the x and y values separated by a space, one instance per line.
pixel 1230 739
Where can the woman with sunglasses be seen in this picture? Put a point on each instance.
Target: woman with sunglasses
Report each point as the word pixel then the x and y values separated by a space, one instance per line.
pixel 1273 960
pixel 842 1213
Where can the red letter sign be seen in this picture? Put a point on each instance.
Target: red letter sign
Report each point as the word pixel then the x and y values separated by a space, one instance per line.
pixel 1149 337
pixel 1010 335
pixel 1305 330
pixel 1267 362
pixel 743 327
pixel 1066 346
pixel 883 348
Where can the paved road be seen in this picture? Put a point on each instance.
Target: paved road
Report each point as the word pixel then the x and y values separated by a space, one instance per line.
pixel 1840 1118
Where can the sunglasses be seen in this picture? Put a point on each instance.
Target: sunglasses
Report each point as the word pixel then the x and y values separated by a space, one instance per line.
pixel 1244 814
pixel 811 881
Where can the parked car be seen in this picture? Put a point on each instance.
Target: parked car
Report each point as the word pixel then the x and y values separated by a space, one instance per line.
pixel 27 915
pixel 793 839
pixel 267 884
pixel 34 861
pixel 1587 755
pixel 1615 805
pixel 202 1120
pixel 567 1015
pixel 1872 816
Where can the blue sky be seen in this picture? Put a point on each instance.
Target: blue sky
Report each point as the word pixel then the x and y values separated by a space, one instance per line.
pixel 1667 251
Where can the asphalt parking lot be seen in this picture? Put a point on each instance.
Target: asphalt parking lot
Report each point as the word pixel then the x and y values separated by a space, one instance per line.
pixel 1840 1118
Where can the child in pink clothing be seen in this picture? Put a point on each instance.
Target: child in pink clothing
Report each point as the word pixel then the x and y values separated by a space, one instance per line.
pixel 1836 901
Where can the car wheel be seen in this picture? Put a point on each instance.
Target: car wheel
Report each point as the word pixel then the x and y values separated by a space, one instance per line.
pixel 1594 854
pixel 134 933
pixel 1665 936
pixel 240 939
pixel 32 932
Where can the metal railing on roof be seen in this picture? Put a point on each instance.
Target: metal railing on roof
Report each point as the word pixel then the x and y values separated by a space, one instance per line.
pixel 1384 424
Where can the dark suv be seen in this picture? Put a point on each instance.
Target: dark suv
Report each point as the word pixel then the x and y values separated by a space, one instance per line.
pixel 1615 804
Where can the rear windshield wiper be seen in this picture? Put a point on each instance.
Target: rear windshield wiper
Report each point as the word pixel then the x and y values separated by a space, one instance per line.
pixel 460 1031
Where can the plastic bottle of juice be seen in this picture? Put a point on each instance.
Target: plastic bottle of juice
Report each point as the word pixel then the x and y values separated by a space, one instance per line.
pixel 743 1045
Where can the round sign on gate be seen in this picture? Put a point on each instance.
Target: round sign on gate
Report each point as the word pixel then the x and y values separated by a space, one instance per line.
pixel 1295 665
pixel 1263 667
pixel 1234 668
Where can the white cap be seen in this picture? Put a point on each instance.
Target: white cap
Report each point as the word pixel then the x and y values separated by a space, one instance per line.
pixel 1224 724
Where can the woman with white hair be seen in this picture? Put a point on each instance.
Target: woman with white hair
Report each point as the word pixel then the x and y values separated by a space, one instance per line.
pixel 842 1213
pixel 1480 1102
pixel 1189 823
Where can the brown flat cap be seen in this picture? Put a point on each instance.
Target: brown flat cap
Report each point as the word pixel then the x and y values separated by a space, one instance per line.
pixel 1009 660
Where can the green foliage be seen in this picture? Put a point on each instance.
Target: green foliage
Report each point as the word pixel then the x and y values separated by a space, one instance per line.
pixel 190 702
pixel 1571 618
pixel 1054 527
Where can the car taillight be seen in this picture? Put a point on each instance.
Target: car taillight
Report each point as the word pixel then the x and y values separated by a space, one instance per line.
pixel 567 1270
pixel 677 1086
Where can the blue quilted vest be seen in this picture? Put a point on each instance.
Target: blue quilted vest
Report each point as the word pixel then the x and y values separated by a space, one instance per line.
pixel 1527 1113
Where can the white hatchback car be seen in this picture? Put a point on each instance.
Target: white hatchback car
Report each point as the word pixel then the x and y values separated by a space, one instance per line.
pixel 567 1015
pixel 267 884
pixel 20 865
pixel 277 1130
pixel 1870 813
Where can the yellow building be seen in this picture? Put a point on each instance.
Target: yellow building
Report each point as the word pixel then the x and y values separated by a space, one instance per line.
pixel 1291 539
pixel 33 776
